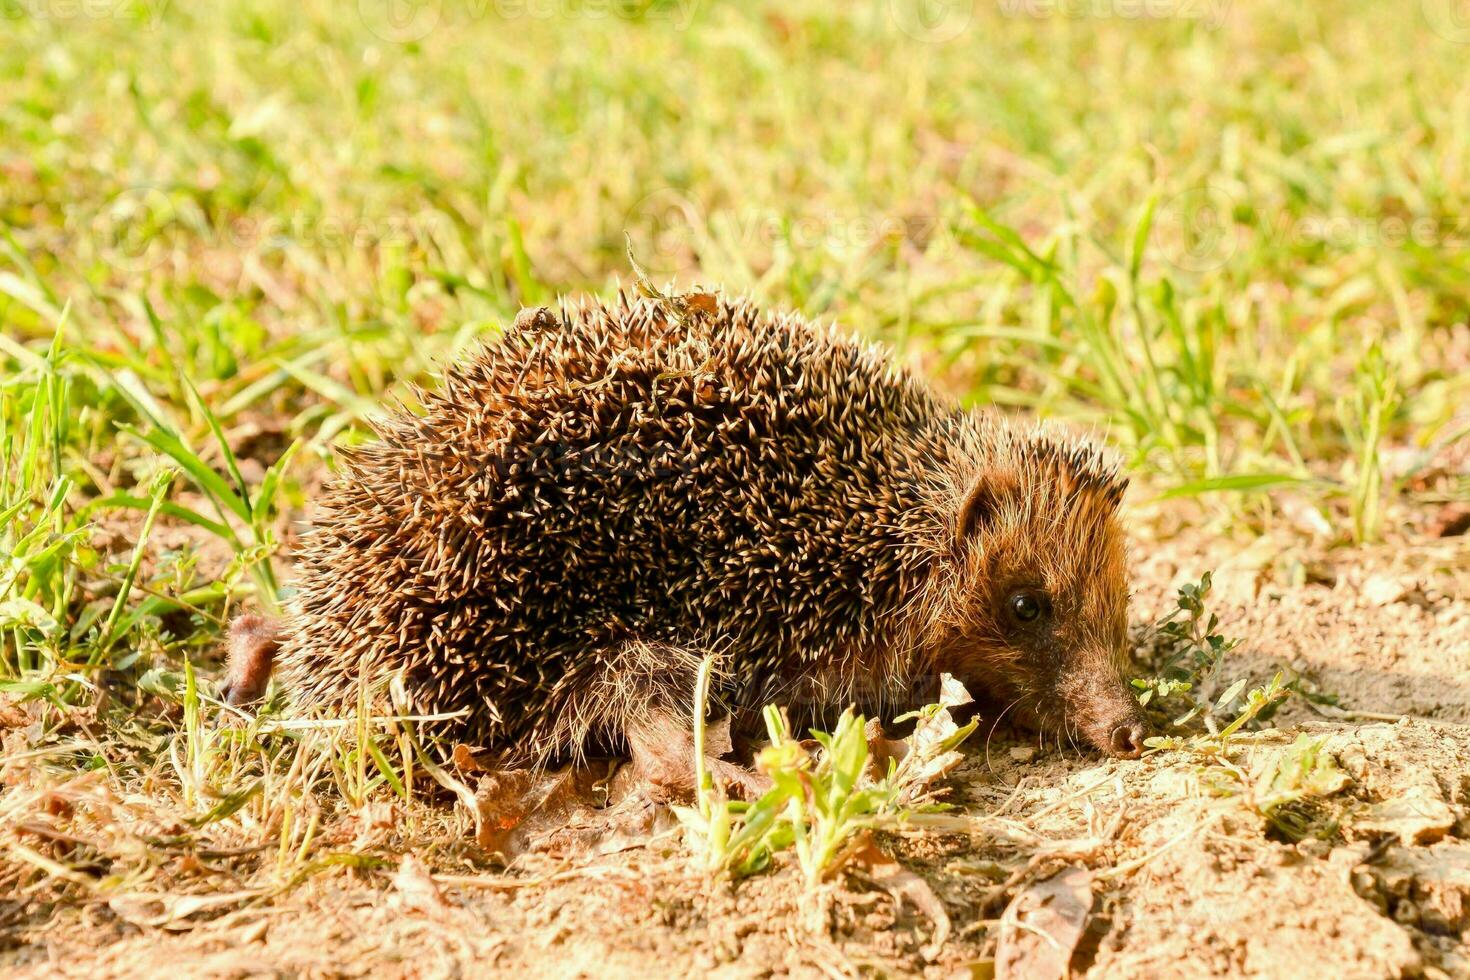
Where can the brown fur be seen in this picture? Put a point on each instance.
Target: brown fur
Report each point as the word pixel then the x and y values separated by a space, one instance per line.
pixel 253 644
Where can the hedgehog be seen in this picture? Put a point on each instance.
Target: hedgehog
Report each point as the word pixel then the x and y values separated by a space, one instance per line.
pixel 548 547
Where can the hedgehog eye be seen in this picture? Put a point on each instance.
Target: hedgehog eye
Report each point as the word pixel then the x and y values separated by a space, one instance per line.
pixel 1025 607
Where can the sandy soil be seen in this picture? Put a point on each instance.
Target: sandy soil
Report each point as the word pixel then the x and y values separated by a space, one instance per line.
pixel 1173 879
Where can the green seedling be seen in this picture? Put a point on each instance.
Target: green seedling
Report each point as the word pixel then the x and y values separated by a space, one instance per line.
pixel 1193 654
pixel 1193 651
pixel 820 803
pixel 1287 789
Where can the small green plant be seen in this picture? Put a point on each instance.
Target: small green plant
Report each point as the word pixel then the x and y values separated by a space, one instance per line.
pixel 1365 417
pixel 1193 650
pixel 817 805
pixel 1192 657
pixel 1287 789
pixel 1284 789
pixel 1260 703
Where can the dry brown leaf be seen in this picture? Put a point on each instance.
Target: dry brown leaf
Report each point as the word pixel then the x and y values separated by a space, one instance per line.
pixel 466 760
pixel 375 821
pixel 1452 520
pixel 1042 926
pixel 379 814
pixel 903 884
pixel 12 714
pixel 588 833
pixel 881 749
pixel 518 808
pixel 704 303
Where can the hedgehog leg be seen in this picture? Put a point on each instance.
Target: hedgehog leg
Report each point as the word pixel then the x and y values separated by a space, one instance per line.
pixel 253 644
pixel 647 692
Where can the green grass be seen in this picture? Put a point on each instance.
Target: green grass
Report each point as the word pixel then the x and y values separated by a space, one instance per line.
pixel 227 237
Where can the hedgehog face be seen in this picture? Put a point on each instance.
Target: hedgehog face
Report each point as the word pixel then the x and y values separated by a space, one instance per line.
pixel 1041 614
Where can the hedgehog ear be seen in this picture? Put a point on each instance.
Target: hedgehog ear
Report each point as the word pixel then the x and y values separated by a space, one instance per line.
pixel 981 506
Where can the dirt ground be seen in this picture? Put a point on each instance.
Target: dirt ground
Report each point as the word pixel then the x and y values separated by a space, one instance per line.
pixel 1168 877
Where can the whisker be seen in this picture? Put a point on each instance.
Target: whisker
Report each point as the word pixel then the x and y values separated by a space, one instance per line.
pixel 1070 729
pixel 991 734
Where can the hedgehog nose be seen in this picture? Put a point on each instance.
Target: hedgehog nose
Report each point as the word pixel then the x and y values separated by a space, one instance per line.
pixel 1126 741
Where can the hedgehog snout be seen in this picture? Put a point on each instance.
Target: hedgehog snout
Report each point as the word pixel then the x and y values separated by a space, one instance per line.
pixel 1126 740
pixel 1102 708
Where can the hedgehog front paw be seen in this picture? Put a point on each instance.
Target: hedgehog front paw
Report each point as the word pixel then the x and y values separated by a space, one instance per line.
pixel 253 644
